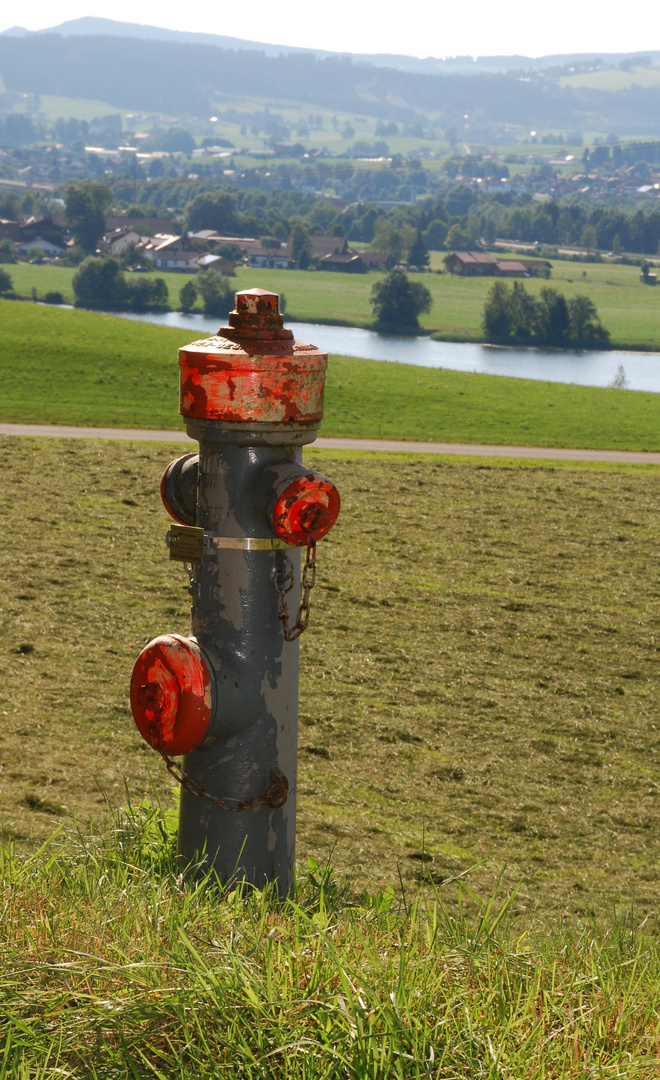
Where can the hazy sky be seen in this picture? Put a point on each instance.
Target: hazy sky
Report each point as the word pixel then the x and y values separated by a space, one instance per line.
pixel 479 27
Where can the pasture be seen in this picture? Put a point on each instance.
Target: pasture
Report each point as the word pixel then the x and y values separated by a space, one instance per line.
pixel 629 309
pixel 479 679
pixel 79 367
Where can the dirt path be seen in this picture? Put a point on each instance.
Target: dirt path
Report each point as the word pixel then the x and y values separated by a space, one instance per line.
pixel 543 452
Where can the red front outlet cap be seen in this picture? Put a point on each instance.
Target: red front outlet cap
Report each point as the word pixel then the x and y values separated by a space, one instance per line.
pixel 306 509
pixel 171 694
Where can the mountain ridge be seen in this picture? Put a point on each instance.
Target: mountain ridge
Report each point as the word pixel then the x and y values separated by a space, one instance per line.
pixel 91 25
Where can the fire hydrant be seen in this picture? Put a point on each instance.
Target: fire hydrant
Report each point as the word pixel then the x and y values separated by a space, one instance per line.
pixel 245 507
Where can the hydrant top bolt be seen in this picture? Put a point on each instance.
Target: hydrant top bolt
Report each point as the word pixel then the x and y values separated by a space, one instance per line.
pixel 256 309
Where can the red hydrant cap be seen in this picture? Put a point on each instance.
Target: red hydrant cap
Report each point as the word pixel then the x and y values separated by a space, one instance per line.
pixel 171 694
pixel 253 371
pixel 307 509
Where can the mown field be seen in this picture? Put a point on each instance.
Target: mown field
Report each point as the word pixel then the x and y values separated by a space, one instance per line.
pixel 613 79
pixel 629 309
pixel 78 367
pixel 479 679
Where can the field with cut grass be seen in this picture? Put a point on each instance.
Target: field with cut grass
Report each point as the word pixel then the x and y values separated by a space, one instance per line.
pixel 79 367
pixel 614 80
pixel 629 309
pixel 479 680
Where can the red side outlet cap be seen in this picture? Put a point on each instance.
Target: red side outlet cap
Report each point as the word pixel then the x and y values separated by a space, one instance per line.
pixel 307 509
pixel 171 694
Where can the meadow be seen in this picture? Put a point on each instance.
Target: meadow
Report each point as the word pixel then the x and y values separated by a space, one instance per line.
pixel 613 79
pixel 479 759
pixel 479 678
pixel 79 367
pixel 628 308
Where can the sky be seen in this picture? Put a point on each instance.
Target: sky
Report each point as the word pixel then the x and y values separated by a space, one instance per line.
pixel 478 28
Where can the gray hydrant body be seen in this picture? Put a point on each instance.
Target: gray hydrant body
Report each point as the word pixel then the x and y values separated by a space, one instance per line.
pixel 227 696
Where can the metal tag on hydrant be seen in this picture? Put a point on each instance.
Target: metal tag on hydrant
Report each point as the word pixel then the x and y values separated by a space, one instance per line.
pixel 186 543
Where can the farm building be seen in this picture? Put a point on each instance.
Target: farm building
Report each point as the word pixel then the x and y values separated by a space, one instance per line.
pixel 477 264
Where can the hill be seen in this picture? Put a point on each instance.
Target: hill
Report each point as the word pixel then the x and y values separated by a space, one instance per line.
pixel 431 65
pixel 135 73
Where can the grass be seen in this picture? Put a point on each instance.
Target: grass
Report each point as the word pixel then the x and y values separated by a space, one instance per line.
pixel 53 107
pixel 78 367
pixel 629 309
pixel 614 79
pixel 147 977
pixel 479 678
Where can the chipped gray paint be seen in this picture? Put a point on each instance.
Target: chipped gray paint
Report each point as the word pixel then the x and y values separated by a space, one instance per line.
pixel 235 620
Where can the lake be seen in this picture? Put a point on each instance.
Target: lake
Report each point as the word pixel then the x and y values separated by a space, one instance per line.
pixel 641 370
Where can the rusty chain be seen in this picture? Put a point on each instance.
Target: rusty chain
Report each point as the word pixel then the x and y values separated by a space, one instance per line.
pixel 274 796
pixel 291 633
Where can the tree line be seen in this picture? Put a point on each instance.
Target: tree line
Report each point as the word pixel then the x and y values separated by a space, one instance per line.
pixel 457 219
pixel 596 228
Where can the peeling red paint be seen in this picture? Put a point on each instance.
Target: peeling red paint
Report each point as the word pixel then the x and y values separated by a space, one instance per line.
pixel 253 371
pixel 307 509
pixel 171 694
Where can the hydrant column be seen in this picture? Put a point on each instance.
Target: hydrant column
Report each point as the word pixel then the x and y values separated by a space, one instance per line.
pixel 227 697
pixel 235 621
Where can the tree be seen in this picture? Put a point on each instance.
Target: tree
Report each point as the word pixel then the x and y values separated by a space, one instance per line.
pixel 175 140
pixel 132 255
pixel 187 296
pixel 217 294
pixel 586 329
pixel 86 205
pixel 6 283
pixel 489 232
pixel 10 206
pixel 553 318
pixel 393 241
pixel 212 211
pixel 300 245
pixel 419 253
pixel 497 314
pixel 145 294
pixel 588 238
pixel 99 284
pixel 460 239
pixel 524 315
pixel 397 302
pixel 435 235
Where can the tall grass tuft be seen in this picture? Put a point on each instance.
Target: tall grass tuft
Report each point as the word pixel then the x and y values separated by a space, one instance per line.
pixel 114 966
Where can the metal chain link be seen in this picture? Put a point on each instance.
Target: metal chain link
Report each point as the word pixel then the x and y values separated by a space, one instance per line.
pixel 274 796
pixel 277 791
pixel 284 584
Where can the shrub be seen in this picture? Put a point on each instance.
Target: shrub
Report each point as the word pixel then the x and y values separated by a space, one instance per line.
pixel 100 285
pixel 512 316
pixel 6 283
